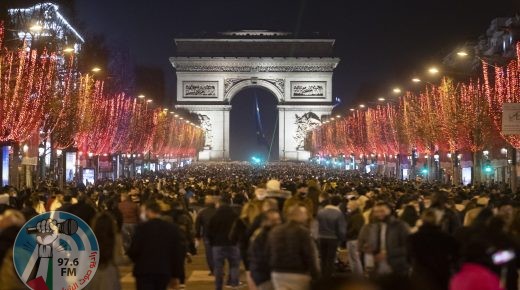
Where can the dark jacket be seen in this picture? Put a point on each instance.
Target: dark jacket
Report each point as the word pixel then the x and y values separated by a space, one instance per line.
pixel 259 256
pixel 219 228
pixel 83 210
pixel 185 223
pixel 7 238
pixel 202 221
pixel 397 233
pixel 355 222
pixel 450 221
pixel 157 249
pixel 432 254
pixel 332 224
pixel 292 250
pixel 240 235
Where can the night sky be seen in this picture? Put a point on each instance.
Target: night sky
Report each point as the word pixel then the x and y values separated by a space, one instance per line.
pixel 381 43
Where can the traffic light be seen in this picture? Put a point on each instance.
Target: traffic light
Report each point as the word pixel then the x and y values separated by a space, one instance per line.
pixel 488 168
pixel 424 170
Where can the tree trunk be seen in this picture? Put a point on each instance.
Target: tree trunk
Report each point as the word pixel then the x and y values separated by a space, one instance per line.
pixel 456 166
pixel 512 175
pixel 14 171
pixel 476 179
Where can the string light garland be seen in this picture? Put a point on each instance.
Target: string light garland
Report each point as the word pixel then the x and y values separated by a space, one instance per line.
pixel 451 117
pixel 75 111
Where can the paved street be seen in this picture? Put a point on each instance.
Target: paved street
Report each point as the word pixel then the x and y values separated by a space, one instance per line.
pixel 197 273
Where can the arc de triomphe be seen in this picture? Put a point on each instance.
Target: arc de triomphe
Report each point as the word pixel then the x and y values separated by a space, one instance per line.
pixel 212 70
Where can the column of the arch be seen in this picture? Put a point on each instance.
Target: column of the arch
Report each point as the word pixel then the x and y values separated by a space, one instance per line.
pixel 219 118
pixel 281 134
pixel 288 128
pixel 225 139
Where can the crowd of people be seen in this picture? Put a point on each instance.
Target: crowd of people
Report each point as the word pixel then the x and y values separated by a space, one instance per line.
pixel 289 226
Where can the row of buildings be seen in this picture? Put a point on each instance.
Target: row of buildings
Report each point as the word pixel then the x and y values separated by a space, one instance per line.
pixel 496 45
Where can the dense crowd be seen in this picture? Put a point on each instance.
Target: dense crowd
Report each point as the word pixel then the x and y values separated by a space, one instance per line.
pixel 290 226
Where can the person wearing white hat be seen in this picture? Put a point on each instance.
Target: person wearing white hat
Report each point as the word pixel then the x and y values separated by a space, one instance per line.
pixel 274 190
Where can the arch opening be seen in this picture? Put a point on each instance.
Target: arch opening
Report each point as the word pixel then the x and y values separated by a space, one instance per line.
pixel 253 133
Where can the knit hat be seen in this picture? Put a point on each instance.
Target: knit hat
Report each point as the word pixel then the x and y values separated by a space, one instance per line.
pixel 273 185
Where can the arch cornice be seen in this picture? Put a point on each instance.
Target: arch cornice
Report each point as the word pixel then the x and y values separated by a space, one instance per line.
pixel 254 64
pixel 270 85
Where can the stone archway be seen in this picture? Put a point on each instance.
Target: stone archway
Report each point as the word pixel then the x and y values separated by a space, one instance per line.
pixel 211 71
pixel 245 138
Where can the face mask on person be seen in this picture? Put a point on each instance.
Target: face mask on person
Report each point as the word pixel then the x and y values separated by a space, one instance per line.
pixel 143 217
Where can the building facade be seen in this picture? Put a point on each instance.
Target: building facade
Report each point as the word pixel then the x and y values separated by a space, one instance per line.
pixel 44 23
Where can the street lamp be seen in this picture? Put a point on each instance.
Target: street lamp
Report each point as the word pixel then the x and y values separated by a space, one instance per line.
pixel 416 80
pixel 36 28
pixel 41 161
pixel 437 159
pixel 149 100
pixel 462 53
pixel 25 148
pixel 68 50
pixel 361 106
pixel 141 96
pixel 59 152
pixel 96 69
pixel 397 90
pixel 352 109
pixel 433 70
pixel 381 99
pixel 41 149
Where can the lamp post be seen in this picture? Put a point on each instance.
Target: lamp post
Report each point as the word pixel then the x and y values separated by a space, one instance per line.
pixel 41 160
pixel 414 163
pixel 26 167
pixel 90 165
pixel 436 158
pixel 512 173
pixel 59 154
